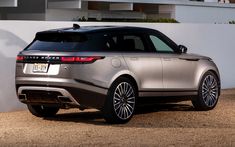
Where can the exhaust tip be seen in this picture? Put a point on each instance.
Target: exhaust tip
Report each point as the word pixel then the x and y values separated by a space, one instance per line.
pixel 22 97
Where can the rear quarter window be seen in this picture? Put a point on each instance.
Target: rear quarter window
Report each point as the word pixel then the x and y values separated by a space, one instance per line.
pixel 69 42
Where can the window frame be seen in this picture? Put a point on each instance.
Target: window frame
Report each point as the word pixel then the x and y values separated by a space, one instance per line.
pixel 164 39
pixel 131 33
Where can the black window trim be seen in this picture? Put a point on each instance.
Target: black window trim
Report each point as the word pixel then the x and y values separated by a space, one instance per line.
pixel 144 34
pixel 141 34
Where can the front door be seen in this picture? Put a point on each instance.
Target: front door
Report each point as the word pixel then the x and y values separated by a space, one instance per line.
pixel 178 69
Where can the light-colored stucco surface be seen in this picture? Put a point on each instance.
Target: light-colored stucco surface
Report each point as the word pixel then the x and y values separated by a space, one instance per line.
pixel 214 40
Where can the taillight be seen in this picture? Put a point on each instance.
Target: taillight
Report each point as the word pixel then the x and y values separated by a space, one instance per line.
pixel 81 59
pixel 67 59
pixel 57 59
pixel 19 58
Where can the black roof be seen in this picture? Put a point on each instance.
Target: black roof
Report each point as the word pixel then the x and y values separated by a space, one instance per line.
pixel 94 29
pixel 106 29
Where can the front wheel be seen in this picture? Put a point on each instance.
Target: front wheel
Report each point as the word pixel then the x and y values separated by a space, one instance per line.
pixel 42 111
pixel 120 102
pixel 208 93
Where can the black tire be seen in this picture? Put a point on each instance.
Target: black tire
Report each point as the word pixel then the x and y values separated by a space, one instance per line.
pixel 120 109
pixel 42 111
pixel 207 99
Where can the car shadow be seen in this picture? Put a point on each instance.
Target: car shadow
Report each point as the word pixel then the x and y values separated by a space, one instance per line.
pixel 96 117
pixel 163 107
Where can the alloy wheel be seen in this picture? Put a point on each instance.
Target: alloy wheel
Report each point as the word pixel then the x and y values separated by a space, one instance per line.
pixel 210 90
pixel 124 100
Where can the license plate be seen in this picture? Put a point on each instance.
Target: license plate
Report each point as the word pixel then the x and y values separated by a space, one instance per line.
pixel 40 67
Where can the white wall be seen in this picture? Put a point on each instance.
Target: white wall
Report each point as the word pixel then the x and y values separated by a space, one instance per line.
pixel 204 14
pixel 65 4
pixel 8 3
pixel 216 41
pixel 215 1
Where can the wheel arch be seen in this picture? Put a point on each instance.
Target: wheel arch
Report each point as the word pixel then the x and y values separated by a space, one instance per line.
pixel 215 72
pixel 128 75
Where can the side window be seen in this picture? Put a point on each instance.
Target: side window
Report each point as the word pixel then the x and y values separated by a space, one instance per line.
pixel 134 43
pixel 159 45
pixel 98 42
pixel 123 43
pixel 104 42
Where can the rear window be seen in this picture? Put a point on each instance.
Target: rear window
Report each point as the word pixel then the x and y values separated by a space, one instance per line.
pixel 68 42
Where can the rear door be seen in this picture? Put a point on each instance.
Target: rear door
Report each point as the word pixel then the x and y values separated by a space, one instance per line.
pixel 142 62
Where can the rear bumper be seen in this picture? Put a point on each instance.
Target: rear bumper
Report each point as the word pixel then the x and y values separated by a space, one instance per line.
pixel 58 91
pixel 45 95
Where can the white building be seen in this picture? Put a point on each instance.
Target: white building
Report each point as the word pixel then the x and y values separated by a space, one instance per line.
pixel 188 11
pixel 8 3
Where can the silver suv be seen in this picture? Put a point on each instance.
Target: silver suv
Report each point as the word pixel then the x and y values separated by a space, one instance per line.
pixel 109 68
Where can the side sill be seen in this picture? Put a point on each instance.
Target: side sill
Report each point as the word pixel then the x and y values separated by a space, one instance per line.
pixel 166 93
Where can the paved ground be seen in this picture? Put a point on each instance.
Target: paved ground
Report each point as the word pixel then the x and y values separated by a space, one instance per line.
pixel 160 125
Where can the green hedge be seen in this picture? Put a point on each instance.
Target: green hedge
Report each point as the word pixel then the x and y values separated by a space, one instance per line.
pixel 232 22
pixel 159 20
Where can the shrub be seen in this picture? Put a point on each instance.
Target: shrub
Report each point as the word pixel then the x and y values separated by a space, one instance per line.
pixel 159 20
pixel 232 22
pixel 83 18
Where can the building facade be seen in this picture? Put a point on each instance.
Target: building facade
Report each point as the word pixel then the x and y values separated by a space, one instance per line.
pixel 185 11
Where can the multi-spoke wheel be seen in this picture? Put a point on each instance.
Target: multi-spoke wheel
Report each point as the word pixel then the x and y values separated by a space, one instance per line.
pixel 208 93
pixel 124 100
pixel 121 100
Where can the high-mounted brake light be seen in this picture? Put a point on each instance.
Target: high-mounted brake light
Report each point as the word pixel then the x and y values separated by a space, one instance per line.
pixel 19 58
pixel 81 59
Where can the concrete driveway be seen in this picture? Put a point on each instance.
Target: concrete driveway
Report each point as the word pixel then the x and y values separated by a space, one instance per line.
pixel 159 125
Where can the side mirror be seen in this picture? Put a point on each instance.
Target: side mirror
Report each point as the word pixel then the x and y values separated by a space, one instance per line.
pixel 183 49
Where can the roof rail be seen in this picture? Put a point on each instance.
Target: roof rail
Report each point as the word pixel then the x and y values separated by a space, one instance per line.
pixel 76 26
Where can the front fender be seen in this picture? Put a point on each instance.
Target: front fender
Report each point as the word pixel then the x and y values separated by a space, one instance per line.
pixel 203 67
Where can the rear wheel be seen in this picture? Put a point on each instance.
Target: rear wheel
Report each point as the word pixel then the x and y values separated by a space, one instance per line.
pixel 208 93
pixel 120 103
pixel 42 111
